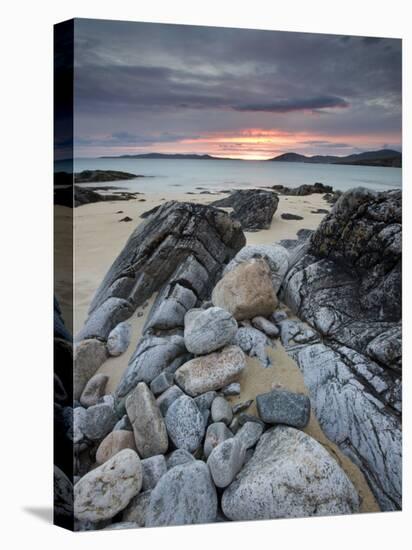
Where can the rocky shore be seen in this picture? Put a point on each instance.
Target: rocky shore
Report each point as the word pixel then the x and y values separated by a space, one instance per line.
pixel 177 440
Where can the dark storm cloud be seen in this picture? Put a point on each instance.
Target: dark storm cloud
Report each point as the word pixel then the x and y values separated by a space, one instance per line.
pixel 146 79
pixel 298 104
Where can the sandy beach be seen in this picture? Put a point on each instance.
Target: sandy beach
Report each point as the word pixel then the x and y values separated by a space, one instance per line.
pixel 100 236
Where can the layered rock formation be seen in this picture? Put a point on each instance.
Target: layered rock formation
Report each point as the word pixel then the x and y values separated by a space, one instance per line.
pixel 345 281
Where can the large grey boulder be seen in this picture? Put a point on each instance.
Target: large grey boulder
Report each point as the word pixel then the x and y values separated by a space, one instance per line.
pixel 89 355
pixel 289 475
pixel 254 208
pixel 105 491
pixel 152 356
pixel 184 424
pixel 211 372
pixel 184 495
pixel 275 255
pixel 147 421
pixel 226 460
pixel 246 291
pixel 284 407
pixel 208 330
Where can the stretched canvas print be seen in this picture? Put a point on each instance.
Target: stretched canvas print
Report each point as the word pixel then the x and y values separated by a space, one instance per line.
pixel 228 245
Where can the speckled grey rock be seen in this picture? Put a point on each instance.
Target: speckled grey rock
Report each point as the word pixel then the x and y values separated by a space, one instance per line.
pixel 148 425
pixel 105 318
pixel 284 407
pixel 289 475
pixel 266 326
pixel 205 400
pixel 137 508
pixel 249 434
pixel 89 356
pixel 221 411
pixel 276 256
pixel 153 354
pixel 105 491
pixel 98 421
pixel 94 390
pixel 208 330
pixel 184 495
pixel 231 389
pixel 211 372
pixel 119 339
pixel 161 383
pixel 185 424
pixel 153 469
pixel 178 457
pixel 170 307
pixel 253 342
pixel 225 461
pixel 167 398
pixel 215 434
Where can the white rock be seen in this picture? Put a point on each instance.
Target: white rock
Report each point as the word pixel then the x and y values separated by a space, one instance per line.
pixel 105 491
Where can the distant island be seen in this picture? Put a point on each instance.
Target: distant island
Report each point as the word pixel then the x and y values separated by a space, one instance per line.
pixel 177 156
pixel 383 157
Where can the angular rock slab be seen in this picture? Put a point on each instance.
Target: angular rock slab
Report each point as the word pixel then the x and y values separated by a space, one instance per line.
pixel 162 243
pixel 289 475
pixel 185 424
pixel 211 372
pixel 254 208
pixel 105 491
pixel 246 291
pixel 148 425
pixel 184 495
pixel 284 407
pixel 208 330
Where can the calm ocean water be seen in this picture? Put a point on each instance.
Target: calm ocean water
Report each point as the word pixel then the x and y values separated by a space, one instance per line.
pixel 187 175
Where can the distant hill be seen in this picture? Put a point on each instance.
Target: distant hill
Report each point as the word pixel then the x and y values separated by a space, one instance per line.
pixel 383 157
pixel 167 156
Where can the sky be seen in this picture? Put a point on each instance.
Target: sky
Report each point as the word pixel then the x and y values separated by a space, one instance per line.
pixel 239 93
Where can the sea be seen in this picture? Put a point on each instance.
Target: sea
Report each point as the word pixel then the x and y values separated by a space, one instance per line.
pixel 163 175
